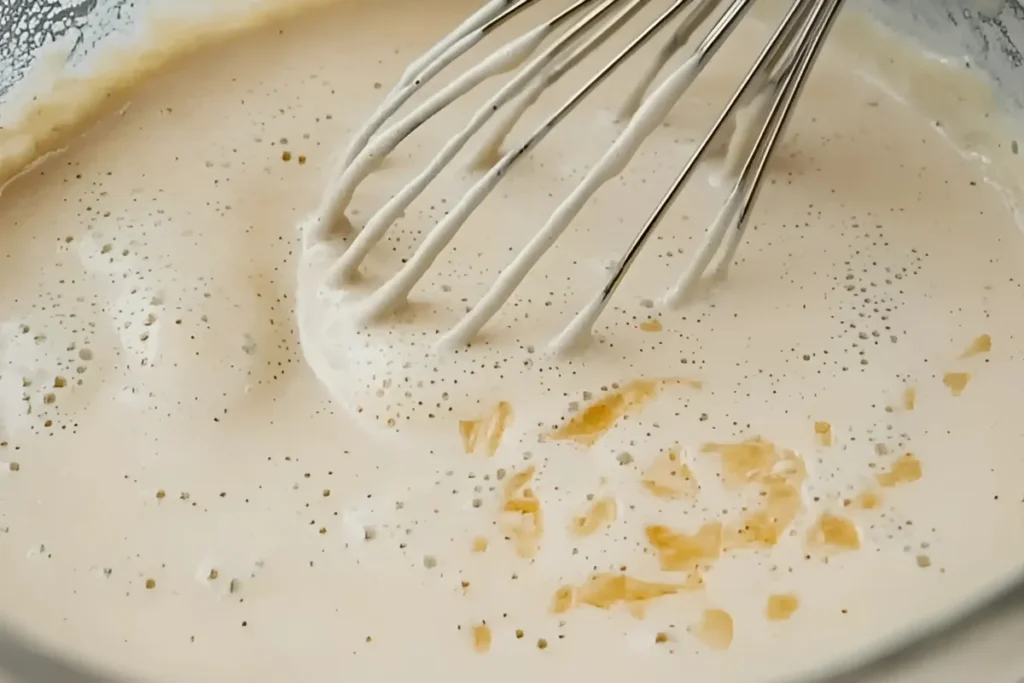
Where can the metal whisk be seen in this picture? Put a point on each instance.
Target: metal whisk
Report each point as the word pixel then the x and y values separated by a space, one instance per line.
pixel 769 90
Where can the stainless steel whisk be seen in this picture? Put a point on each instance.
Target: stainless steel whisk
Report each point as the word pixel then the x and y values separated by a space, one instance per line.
pixel 769 90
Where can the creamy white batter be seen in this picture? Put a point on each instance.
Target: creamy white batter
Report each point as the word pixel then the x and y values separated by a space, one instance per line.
pixel 187 492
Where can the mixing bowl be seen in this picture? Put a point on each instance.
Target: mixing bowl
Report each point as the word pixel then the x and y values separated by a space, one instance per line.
pixel 44 42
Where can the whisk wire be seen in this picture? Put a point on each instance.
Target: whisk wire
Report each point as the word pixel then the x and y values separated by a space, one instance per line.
pixel 754 185
pixel 378 224
pixel 765 97
pixel 397 288
pixel 475 21
pixel 650 115
pixel 782 86
pixel 489 152
pixel 687 27
pixel 794 27
pixel 490 17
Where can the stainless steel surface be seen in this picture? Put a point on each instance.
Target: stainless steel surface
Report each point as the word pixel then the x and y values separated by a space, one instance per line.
pixel 977 642
pixel 22 661
pixel 989 33
pixel 984 641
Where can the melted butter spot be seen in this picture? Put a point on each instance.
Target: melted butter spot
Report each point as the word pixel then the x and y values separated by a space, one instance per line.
pixel 522 517
pixel 906 470
pixel 909 398
pixel 563 600
pixel 482 638
pixel 823 431
pixel 744 462
pixel 982 344
pixel 518 481
pixel 486 433
pixel 602 513
pixel 606 590
pixel 599 417
pixel 780 475
pixel 527 534
pixel 652 325
pixel 765 528
pixel 694 581
pixel 526 505
pixel 670 478
pixel 835 532
pixel 715 629
pixel 956 381
pixel 868 500
pixel 479 544
pixel 680 552
pixel 781 607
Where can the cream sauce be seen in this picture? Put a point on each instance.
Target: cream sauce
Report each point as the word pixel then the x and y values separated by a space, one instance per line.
pixel 209 473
